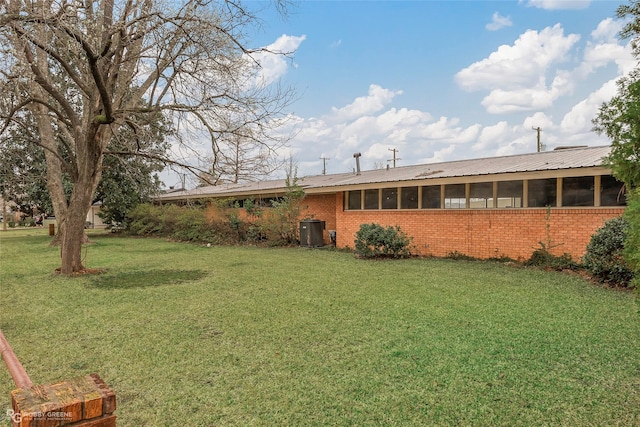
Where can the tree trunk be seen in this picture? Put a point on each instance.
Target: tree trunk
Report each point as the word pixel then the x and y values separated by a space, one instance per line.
pixel 72 234
pixel 89 163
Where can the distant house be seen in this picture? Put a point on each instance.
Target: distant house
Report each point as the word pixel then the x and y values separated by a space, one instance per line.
pixel 93 219
pixel 490 207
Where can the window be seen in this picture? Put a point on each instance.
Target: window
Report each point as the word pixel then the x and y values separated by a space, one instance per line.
pixel 481 195
pixel 611 192
pixel 454 196
pixel 431 197
pixel 371 199
pixel 353 200
pixel 577 191
pixel 510 194
pixel 542 192
pixel 389 198
pixel 409 198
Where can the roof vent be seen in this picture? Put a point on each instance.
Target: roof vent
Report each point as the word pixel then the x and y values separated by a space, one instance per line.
pixel 357 157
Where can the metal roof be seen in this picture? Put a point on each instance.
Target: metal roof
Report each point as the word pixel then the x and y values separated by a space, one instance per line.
pixel 570 158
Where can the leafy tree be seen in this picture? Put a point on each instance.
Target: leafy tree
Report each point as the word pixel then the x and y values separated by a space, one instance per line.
pixel 87 71
pixel 126 180
pixel 632 242
pixel 619 119
pixel 23 172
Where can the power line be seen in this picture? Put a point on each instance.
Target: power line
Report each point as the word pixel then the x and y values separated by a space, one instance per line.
pixel 394 156
pixel 324 164
pixel 540 144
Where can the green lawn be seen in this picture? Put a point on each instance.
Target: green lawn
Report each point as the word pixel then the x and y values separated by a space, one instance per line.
pixel 190 335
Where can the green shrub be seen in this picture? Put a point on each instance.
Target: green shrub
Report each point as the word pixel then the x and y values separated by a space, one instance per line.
pixel 376 241
pixel 145 219
pixel 603 259
pixel 631 251
pixel 284 220
pixel 542 257
pixel 459 256
pixel 188 224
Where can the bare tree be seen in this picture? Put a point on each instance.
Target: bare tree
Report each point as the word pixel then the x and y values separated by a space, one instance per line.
pixel 85 70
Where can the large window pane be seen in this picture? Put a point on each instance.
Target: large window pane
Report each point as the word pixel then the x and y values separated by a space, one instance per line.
pixel 371 199
pixel 510 194
pixel 612 192
pixel 409 198
pixel 389 198
pixel 542 192
pixel 577 191
pixel 481 195
pixel 353 200
pixel 431 197
pixel 454 196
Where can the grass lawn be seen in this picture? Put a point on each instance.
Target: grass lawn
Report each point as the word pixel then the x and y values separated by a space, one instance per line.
pixel 190 335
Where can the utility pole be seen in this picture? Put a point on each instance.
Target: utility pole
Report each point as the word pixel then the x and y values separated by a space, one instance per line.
pixel 324 164
pixel 394 156
pixel 539 143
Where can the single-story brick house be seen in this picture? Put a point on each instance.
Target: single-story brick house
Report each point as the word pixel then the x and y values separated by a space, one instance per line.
pixel 489 207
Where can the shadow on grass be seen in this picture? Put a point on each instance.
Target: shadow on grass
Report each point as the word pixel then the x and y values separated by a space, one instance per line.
pixel 145 279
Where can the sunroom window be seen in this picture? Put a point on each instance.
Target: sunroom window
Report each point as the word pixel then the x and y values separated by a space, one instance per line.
pixel 542 192
pixel 389 198
pixel 454 196
pixel 371 198
pixel 481 195
pixel 409 198
pixel 354 201
pixel 431 197
pixel 510 194
pixel 577 191
pixel 612 192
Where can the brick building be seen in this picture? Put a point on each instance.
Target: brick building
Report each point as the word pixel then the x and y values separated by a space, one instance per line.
pixel 490 207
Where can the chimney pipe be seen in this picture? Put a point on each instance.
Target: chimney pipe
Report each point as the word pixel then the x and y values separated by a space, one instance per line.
pixel 357 157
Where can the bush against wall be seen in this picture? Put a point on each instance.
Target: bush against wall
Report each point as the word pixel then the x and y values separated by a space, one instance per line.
pixel 189 224
pixel 222 221
pixel 604 257
pixel 376 241
pixel 631 251
pixel 283 220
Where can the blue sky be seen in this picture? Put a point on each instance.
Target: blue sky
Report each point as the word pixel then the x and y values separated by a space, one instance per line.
pixel 442 80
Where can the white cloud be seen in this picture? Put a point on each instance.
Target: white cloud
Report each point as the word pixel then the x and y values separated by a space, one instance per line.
pixel 521 64
pixel 557 4
pixel 273 62
pixel 526 76
pixel 522 77
pixel 578 119
pixel 492 136
pixel 376 99
pixel 498 22
pixel 538 120
pixel 509 101
pixel 607 31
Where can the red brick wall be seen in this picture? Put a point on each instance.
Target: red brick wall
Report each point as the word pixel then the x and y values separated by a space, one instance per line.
pixel 485 233
pixel 322 207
